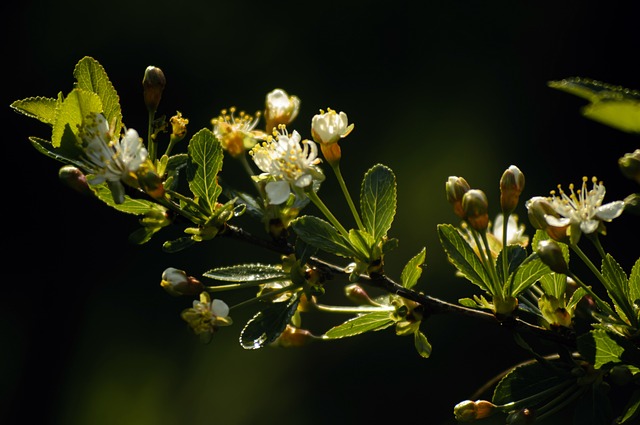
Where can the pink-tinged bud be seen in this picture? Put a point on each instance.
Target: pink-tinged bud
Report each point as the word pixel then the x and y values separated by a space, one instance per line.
pixel 153 84
pixel 538 208
pixel 511 186
pixel 630 165
pixel 470 411
pixel 177 283
pixel 455 188
pixel 293 337
pixel 551 255
pixel 75 179
pixel 475 206
pixel 358 295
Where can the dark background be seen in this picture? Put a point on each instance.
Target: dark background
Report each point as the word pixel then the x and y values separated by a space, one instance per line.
pixel 434 89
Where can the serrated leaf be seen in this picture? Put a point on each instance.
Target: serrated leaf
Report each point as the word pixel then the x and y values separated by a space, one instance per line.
pixel 526 381
pixel 378 200
pixel 617 285
pixel 515 256
pixel 205 154
pixel 322 235
pixel 527 274
pixel 554 284
pixel 462 256
pixel 129 206
pixel 358 325
pixel 413 269
pixel 91 76
pixel 268 324
pixel 610 105
pixel 75 107
pixel 600 348
pixel 634 282
pixel 247 273
pixel 631 410
pixel 67 154
pixel 362 242
pixel 41 108
pixel 422 344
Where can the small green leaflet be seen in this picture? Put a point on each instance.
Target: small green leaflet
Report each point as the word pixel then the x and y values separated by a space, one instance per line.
pixel 205 154
pixel 322 235
pixel 378 200
pixel 462 256
pixel 413 269
pixel 130 205
pixel 422 344
pixel 267 325
pixel 247 273
pixel 610 105
pixel 365 323
pixel 41 108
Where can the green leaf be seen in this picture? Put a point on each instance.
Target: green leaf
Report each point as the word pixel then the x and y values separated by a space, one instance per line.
pixel 205 153
pixel 632 409
pixel 527 274
pixel 413 269
pixel 422 344
pixel 268 324
pixel 41 108
pixel 322 235
pixel 91 76
pixel 129 206
pixel 526 381
pixel 462 256
pixel 178 245
pixel 554 284
pixel 601 348
pixel 364 323
pixel 363 243
pixel 634 282
pixel 378 200
pixel 515 256
pixel 610 105
pixel 247 273
pixel 67 154
pixel 75 107
pixel 617 285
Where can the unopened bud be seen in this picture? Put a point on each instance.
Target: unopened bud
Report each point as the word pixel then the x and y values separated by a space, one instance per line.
pixel 511 186
pixel 475 206
pixel 177 283
pixel 293 337
pixel 550 253
pixel 153 84
pixel 630 165
pixel 358 295
pixel 455 188
pixel 521 417
pixel 469 411
pixel 280 108
pixel 538 208
pixel 75 179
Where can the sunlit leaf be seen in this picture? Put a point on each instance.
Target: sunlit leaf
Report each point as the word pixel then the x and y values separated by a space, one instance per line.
pixel 422 344
pixel 75 107
pixel 322 235
pixel 462 256
pixel 526 381
pixel 528 273
pixel 41 108
pixel 365 323
pixel 413 269
pixel 247 273
pixel 378 200
pixel 205 153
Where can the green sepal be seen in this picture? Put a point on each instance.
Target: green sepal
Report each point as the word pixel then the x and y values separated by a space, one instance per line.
pixel 253 273
pixel 205 162
pixel 378 200
pixel 413 269
pixel 92 77
pixel 367 322
pixel 463 257
pixel 322 235
pixel 267 325
pixel 422 344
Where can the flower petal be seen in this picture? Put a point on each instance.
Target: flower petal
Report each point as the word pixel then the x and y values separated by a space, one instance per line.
pixel 610 211
pixel 277 192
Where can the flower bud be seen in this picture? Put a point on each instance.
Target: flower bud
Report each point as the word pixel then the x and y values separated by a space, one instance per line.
pixel 293 337
pixel 455 188
pixel 551 255
pixel 538 208
pixel 177 283
pixel 469 411
pixel 521 417
pixel 475 206
pixel 280 109
pixel 630 165
pixel 358 295
pixel 153 84
pixel 327 128
pixel 75 179
pixel 511 186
